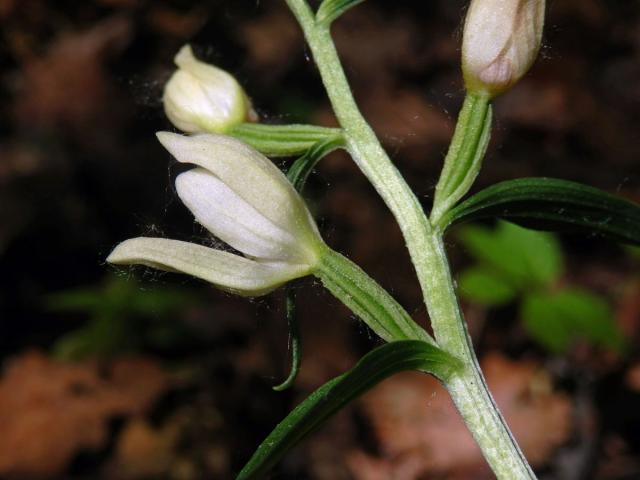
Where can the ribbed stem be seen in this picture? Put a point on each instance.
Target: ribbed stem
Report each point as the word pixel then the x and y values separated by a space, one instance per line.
pixel 468 388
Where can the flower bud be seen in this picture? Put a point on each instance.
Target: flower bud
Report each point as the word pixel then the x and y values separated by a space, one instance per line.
pixel 500 42
pixel 202 98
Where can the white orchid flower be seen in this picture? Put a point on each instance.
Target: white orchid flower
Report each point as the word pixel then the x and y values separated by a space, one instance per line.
pixel 202 98
pixel 243 199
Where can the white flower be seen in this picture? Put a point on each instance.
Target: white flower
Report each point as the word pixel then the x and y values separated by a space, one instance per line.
pixel 202 98
pixel 500 42
pixel 245 200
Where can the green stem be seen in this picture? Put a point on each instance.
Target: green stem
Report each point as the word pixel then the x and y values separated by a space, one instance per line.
pixel 362 142
pixel 367 299
pixel 468 388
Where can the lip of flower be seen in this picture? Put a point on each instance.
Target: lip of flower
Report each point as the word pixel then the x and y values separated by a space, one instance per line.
pixel 243 199
pixel 200 97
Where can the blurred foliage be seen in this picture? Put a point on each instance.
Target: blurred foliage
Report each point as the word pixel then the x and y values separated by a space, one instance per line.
pixel 514 264
pixel 123 316
pixel 633 251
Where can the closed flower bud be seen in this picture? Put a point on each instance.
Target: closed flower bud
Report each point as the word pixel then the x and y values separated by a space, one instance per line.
pixel 243 199
pixel 202 98
pixel 500 42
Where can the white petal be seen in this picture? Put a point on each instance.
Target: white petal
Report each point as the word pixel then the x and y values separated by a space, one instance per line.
pixel 225 270
pixel 233 220
pixel 250 175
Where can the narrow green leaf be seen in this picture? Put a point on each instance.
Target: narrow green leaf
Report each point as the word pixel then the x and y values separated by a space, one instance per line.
pixel 557 319
pixel 329 10
pixel 553 204
pixel 374 367
pixel 303 166
pixel 485 287
pixel 283 140
pixel 295 341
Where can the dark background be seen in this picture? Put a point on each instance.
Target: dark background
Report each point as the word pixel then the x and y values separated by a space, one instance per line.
pixel 173 379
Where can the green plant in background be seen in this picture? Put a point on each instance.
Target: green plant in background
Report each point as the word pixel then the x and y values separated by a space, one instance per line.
pixel 634 252
pixel 123 316
pixel 239 196
pixel 514 264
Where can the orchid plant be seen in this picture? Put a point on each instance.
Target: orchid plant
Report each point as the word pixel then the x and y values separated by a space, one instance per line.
pixel 243 199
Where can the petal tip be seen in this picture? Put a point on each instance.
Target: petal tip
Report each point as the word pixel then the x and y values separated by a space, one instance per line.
pixel 165 137
pixel 174 143
pixel 124 252
pixel 185 54
pixel 115 257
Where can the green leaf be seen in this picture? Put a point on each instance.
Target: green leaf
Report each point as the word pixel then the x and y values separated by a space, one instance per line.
pixel 121 316
pixel 329 10
pixel 633 251
pixel 525 258
pixel 303 166
pixel 295 341
pixel 553 204
pixel 100 337
pixel 556 320
pixel 541 251
pixel 485 287
pixel 374 367
pixel 283 140
pixel 77 300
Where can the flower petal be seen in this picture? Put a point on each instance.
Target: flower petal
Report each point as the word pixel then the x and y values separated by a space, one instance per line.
pixel 233 220
pixel 249 174
pixel 225 270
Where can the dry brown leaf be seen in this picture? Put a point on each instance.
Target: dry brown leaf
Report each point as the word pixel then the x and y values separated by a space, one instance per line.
pixel 632 378
pixel 7 7
pixel 50 410
pixel 67 86
pixel 271 41
pixel 146 452
pixel 419 430
pixel 391 44
pixel 534 104
pixel 121 3
pixel 177 24
pixel 405 121
pixel 628 311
